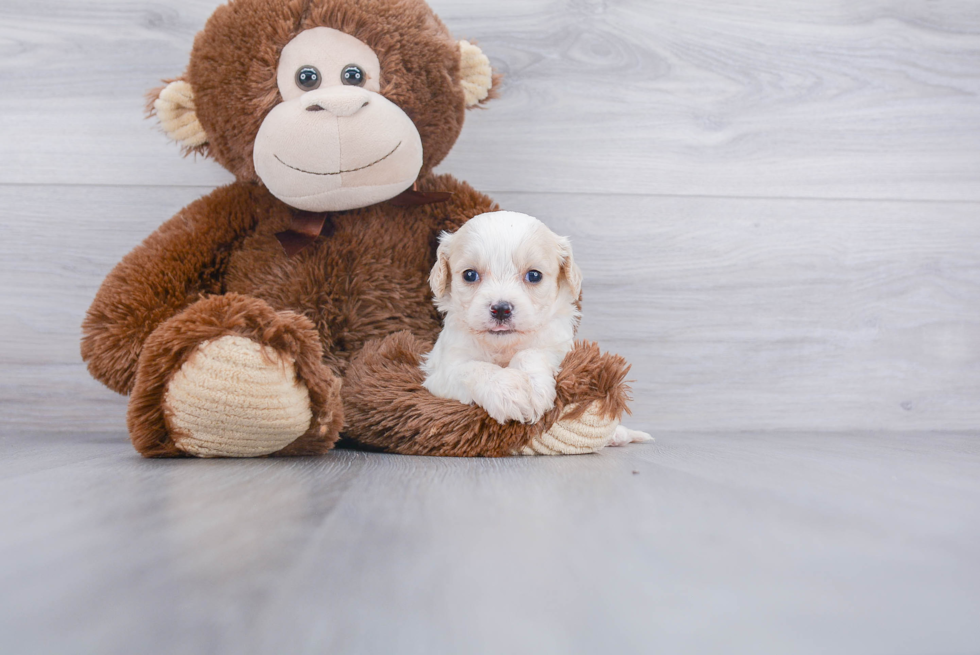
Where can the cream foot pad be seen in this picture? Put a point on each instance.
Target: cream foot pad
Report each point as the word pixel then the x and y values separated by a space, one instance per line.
pixel 231 399
pixel 588 433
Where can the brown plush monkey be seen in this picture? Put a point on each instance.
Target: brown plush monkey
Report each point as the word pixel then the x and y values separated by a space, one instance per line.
pixel 272 314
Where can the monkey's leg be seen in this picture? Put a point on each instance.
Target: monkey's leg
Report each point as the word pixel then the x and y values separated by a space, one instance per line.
pixel 231 377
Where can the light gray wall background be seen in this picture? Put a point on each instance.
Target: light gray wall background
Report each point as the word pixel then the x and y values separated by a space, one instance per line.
pixel 776 204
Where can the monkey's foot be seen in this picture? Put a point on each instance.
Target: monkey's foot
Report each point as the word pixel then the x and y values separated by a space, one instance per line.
pixel 236 398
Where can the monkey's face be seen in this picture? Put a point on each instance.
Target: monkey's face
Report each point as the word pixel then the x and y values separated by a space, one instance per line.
pixel 331 104
pixel 334 142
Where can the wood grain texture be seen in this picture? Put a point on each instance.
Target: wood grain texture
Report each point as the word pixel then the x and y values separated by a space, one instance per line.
pixel 866 99
pixel 805 363
pixel 697 544
pixel 737 314
pixel 771 314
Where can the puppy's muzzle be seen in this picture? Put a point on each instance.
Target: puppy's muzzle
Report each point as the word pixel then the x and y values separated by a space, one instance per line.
pixel 501 311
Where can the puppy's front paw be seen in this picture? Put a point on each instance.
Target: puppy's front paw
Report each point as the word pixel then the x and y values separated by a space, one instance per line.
pixel 542 397
pixel 507 397
pixel 541 377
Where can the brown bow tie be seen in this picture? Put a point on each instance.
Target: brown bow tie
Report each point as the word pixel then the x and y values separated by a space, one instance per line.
pixel 306 227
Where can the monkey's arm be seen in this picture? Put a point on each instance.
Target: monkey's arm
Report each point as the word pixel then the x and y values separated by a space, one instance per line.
pixel 388 408
pixel 173 267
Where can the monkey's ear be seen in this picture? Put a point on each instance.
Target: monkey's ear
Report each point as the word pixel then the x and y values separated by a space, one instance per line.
pixel 477 75
pixel 440 279
pixel 174 106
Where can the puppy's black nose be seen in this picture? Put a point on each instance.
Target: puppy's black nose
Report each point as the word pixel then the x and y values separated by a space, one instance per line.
pixel 501 311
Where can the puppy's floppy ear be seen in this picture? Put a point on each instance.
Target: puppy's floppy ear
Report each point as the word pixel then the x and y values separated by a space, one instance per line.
pixel 440 279
pixel 570 272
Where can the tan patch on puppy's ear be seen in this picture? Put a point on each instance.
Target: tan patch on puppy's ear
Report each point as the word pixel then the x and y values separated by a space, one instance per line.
pixel 174 106
pixel 569 269
pixel 476 73
pixel 441 277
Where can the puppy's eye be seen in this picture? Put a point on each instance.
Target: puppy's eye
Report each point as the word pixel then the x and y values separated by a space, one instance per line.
pixel 353 75
pixel 308 78
pixel 469 275
pixel 533 277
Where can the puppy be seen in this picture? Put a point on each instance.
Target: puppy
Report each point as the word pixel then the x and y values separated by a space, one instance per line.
pixel 509 289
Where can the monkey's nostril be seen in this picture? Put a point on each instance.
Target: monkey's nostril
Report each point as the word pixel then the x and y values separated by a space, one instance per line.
pixel 314 108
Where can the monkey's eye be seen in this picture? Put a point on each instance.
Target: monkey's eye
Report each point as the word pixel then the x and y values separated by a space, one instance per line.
pixel 353 75
pixel 308 78
pixel 533 277
pixel 470 275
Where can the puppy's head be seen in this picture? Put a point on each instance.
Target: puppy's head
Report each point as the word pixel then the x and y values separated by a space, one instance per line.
pixel 504 276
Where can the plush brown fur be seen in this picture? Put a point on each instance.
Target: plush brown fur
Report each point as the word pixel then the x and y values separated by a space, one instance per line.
pixel 216 268
pixel 388 408
pixel 179 263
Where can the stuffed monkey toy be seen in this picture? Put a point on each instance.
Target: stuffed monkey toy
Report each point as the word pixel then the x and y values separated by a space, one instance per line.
pixel 292 307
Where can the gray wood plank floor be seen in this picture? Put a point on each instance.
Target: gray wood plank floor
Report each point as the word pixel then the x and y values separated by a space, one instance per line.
pixel 776 205
pixel 776 543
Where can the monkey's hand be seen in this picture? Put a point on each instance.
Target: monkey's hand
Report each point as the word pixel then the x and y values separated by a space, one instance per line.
pixel 588 432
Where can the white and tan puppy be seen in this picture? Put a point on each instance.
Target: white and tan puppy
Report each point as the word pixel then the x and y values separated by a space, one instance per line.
pixel 508 287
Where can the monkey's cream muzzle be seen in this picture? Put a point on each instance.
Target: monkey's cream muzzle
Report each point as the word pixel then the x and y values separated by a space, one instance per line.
pixel 337 148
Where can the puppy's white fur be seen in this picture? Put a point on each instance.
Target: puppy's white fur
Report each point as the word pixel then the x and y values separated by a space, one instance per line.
pixel 508 367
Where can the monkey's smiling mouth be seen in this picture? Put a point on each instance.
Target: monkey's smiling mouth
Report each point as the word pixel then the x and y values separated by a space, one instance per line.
pixel 352 170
